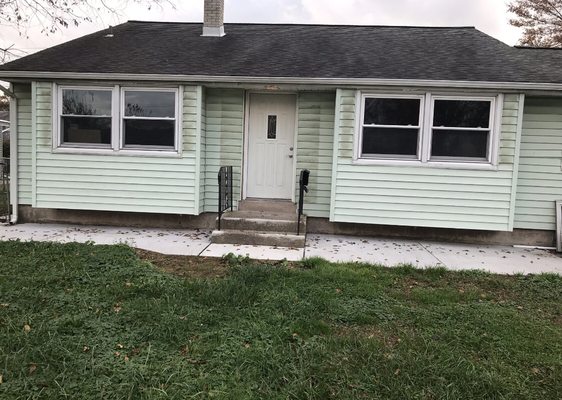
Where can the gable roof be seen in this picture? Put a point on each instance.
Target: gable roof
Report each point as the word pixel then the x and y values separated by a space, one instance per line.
pixel 281 50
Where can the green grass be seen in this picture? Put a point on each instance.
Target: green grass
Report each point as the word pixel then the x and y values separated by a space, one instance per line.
pixel 86 322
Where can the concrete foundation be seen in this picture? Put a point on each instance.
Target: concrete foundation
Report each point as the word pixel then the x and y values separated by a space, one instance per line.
pixel 314 225
pixel 517 237
pixel 28 214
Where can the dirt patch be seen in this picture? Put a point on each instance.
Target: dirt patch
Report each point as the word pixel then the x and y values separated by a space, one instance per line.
pixel 186 266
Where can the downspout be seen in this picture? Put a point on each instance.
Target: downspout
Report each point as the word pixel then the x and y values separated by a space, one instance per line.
pixel 13 152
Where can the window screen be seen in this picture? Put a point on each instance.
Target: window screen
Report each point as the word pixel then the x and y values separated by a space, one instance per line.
pixel 390 127
pixel 461 129
pixel 149 119
pixel 86 117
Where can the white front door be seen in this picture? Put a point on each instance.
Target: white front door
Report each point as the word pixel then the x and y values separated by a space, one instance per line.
pixel 271 133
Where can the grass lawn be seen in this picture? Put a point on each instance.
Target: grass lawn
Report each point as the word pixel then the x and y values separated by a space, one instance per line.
pixel 80 321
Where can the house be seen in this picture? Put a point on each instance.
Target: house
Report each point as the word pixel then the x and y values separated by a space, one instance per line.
pixel 443 133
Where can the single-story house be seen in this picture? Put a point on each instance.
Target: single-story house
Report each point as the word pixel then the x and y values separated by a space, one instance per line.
pixel 413 131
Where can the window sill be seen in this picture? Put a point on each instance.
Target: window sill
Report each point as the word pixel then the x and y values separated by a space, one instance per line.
pixel 120 153
pixel 430 164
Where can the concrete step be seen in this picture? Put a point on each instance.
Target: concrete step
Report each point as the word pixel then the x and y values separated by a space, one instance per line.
pixel 257 238
pixel 268 206
pixel 252 221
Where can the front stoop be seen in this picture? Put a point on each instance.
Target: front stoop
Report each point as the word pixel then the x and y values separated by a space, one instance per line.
pixel 262 223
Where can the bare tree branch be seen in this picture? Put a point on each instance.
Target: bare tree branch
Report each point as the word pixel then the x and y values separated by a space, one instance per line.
pixel 56 15
pixel 541 21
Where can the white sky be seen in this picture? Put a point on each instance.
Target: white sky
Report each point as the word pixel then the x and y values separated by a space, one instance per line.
pixel 489 16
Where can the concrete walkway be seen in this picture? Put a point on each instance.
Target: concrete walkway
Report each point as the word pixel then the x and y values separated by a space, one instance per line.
pixel 389 252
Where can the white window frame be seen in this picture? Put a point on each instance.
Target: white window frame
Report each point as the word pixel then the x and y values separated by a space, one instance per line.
pixel 58 137
pixel 490 129
pixel 122 118
pixel 117 100
pixel 425 135
pixel 362 125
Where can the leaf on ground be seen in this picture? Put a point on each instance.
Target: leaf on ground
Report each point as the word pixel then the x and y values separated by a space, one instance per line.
pixel 26 328
pixel 32 368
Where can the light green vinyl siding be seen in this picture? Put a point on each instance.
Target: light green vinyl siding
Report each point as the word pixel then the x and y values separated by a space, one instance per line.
pixel 115 182
pixel 23 95
pixel 422 196
pixel 315 142
pixel 224 141
pixel 540 173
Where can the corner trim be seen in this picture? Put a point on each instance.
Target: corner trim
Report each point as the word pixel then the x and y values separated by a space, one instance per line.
pixel 335 154
pixel 14 182
pixel 34 144
pixel 198 132
pixel 515 175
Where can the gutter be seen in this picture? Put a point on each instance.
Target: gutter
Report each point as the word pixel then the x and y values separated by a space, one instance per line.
pixel 355 82
pixel 13 153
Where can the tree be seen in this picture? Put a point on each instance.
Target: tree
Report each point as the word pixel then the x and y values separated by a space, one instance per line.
pixel 541 21
pixel 56 15
pixel 4 103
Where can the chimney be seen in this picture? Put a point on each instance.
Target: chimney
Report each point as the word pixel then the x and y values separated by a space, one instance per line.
pixel 213 18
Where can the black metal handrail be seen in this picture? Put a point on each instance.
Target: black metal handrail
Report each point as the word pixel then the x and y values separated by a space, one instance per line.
pixel 225 191
pixel 4 189
pixel 303 188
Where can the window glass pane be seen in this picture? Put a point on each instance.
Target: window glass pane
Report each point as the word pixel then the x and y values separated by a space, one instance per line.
pixel 149 132
pixel 453 143
pixel 391 141
pixel 272 126
pixel 462 113
pixel 86 102
pixel 150 104
pixel 86 130
pixel 392 111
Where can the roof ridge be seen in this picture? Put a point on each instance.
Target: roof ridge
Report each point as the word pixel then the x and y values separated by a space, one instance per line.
pixel 304 24
pixel 537 48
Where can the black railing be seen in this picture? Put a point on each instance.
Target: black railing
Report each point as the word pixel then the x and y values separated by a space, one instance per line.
pixel 303 188
pixel 225 191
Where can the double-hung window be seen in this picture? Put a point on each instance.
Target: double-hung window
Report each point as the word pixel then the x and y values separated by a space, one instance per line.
pixel 117 119
pixel 85 117
pixel 427 129
pixel 461 129
pixel 149 118
pixel 390 127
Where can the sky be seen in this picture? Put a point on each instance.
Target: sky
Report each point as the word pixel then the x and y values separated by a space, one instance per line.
pixel 490 16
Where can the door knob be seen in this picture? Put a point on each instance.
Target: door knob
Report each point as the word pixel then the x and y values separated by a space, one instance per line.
pixel 290 148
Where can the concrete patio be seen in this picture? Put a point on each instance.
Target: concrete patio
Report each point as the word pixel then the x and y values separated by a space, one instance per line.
pixel 389 252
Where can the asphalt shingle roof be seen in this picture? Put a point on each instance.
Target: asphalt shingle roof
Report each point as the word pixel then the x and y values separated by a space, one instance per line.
pixel 302 51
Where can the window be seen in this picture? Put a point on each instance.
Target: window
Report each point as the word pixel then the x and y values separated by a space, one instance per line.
pixel 114 119
pixel 272 126
pixel 461 129
pixel 85 118
pixel 149 118
pixel 390 127
pixel 427 128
